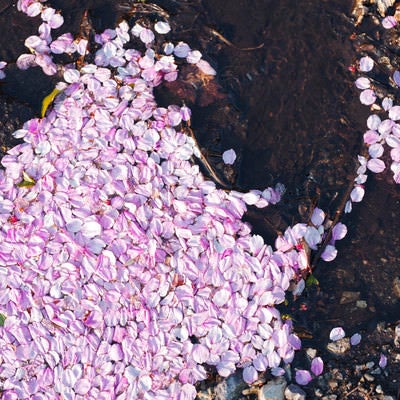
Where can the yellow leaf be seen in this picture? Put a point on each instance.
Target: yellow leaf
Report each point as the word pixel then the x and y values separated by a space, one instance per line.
pixel 27 181
pixel 27 178
pixel 48 100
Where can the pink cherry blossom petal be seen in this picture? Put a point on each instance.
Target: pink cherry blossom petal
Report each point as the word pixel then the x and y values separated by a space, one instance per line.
pixel 357 194
pixel 376 165
pixel 366 64
pixel 162 27
pixel 339 231
pixel 363 83
pixel 382 361
pixel 396 77
pixel 387 103
pixel 329 253
pixel 317 366
pixel 371 137
pixel 206 68
pixel 355 339
pixel 373 122
pixel 375 150
pixel 146 36
pixel 181 50
pixel 389 22
pixel 229 156
pixel 303 377
pixel 317 217
pixel 394 113
pixel 367 97
pixel 337 334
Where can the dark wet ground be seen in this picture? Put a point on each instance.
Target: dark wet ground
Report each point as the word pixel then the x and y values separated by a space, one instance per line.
pixel 284 100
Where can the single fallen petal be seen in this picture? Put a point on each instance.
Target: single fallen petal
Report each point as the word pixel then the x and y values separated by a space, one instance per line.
pixel 373 122
pixel 363 83
pixel 339 231
pixel 394 113
pixel 396 77
pixel 162 27
pixel 355 339
pixel 206 68
pixel 376 165
pixel 229 156
pixel 357 194
pixel 367 97
pixel 382 361
pixel 329 253
pixel 181 50
pixel 375 150
pixel 337 334
pixel 389 22
pixel 371 137
pixel 250 374
pixel 318 217
pixel 317 366
pixel 348 207
pixel 146 36
pixel 91 229
pixel 366 64
pixel 387 103
pixel 303 377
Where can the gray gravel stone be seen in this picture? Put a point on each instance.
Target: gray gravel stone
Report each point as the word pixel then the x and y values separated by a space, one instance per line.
pixel 230 388
pixel 273 390
pixel 294 392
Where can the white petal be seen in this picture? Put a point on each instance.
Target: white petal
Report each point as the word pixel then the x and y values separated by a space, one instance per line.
pixel 376 165
pixel 337 333
pixel 229 156
pixel 162 27
pixel 366 64
pixel 394 113
pixel 91 229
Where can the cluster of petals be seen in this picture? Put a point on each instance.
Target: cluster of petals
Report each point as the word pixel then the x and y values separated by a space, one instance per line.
pixel 40 45
pixel 123 270
pixel 381 134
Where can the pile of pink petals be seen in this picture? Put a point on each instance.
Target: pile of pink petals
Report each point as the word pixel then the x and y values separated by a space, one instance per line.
pixel 123 271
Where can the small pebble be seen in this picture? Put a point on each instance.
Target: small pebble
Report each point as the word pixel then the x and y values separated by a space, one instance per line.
pixel 333 384
pixel 397 335
pixel 369 377
pixel 361 304
pixel 376 371
pixel 369 364
pixel 311 353
pixel 396 287
pixel 378 389
pixel 230 388
pixel 349 297
pixel 273 390
pixel 294 392
pixel 340 346
pixel 318 393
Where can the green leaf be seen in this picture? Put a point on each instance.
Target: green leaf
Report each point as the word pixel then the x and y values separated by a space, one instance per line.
pixel 2 319
pixel 48 100
pixel 312 280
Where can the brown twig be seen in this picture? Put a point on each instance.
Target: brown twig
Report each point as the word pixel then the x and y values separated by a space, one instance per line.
pixel 229 43
pixel 205 162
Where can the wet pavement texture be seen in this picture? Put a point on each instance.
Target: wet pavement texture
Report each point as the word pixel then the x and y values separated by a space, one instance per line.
pixel 285 100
